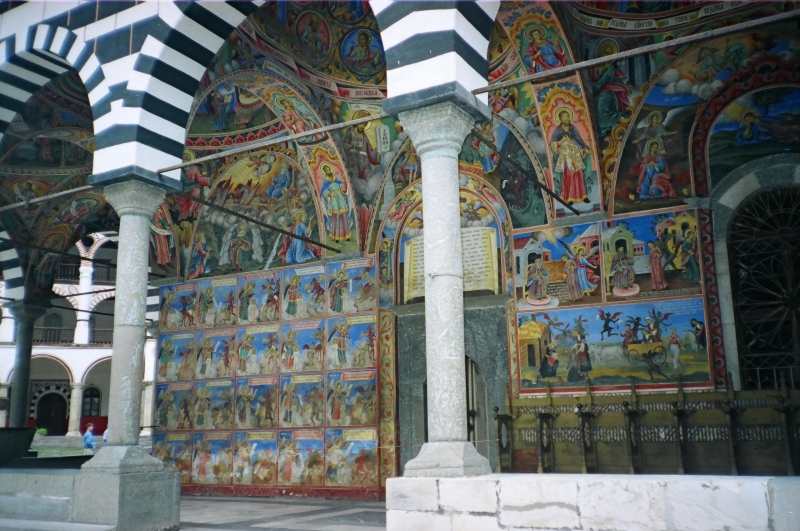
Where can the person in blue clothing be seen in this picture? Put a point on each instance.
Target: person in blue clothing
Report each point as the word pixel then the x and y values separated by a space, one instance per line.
pixel 88 440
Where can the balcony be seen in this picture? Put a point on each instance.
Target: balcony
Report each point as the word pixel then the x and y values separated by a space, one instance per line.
pixel 68 273
pixel 53 335
pixel 105 274
pixel 101 336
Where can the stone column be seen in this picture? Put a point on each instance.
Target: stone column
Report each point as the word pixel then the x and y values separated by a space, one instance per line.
pixel 147 409
pixel 6 325
pixel 25 315
pixel 82 333
pixel 438 132
pixel 75 403
pixel 3 396
pixel 122 485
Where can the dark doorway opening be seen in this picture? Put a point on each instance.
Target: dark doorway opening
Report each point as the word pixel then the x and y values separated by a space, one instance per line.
pixel 51 414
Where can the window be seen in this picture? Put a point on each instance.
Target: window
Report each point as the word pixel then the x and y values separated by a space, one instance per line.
pixel 764 251
pixel 91 402
pixel 53 320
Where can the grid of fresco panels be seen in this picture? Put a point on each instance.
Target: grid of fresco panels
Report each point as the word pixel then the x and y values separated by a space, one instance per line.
pixel 271 378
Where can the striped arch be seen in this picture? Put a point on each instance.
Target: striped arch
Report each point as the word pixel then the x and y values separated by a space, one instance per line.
pixel 100 297
pixel 30 59
pixel 58 290
pixel 435 51
pixel 10 265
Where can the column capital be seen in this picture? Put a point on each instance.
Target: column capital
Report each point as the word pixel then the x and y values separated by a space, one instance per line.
pixel 135 198
pixel 437 129
pixel 26 311
pixel 77 385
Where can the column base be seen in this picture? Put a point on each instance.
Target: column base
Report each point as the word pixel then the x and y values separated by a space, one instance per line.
pixel 447 460
pixel 125 487
pixel 73 434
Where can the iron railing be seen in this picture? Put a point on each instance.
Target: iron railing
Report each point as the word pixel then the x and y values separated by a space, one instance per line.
pixel 101 336
pixel 53 335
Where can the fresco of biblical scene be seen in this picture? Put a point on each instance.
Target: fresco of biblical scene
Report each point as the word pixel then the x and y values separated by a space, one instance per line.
pixel 652 342
pixel 174 406
pixel 216 302
pixel 351 458
pixel 572 170
pixel 351 398
pixel 213 405
pixel 302 400
pixel 300 457
pixel 178 307
pixel 213 458
pixel 351 286
pixel 175 357
pixel 303 292
pixel 352 342
pixel 175 451
pixel 362 54
pixel 303 346
pixel 652 256
pixel 216 354
pixel 259 297
pixel 257 402
pixel 758 124
pixel 313 35
pixel 255 460
pixel 258 350
pixel 558 267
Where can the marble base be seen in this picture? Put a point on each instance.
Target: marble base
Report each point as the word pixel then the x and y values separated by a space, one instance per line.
pixel 447 460
pixel 125 487
pixel 593 502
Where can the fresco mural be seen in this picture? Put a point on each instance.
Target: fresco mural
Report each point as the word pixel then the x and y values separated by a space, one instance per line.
pixel 255 460
pixel 756 125
pixel 652 343
pixel 259 297
pixel 280 385
pixel 217 303
pixel 303 292
pixel 175 451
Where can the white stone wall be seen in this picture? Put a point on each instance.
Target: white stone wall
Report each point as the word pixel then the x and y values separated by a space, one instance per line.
pixel 593 502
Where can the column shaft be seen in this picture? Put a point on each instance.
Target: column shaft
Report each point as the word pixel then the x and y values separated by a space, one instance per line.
pixel 75 403
pixel 25 316
pixel 135 202
pixel 82 332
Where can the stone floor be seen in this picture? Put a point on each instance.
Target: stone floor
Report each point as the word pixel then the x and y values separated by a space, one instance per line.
pixel 280 514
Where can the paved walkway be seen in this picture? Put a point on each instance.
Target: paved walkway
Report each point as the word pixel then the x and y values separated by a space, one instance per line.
pixel 280 514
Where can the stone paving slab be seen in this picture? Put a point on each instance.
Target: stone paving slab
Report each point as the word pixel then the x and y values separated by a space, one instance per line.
pixel 199 513
pixel 35 525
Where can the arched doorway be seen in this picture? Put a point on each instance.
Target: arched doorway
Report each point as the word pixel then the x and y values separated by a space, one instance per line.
pixel 51 413
pixel 764 252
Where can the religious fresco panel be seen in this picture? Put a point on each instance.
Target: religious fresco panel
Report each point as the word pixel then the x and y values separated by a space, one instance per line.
pixel 351 398
pixel 303 292
pixel 655 343
pixel 174 406
pixel 301 457
pixel 258 350
pixel 216 303
pixel 351 286
pixel 216 353
pixel 176 357
pixel 303 346
pixel 352 342
pixel 351 457
pixel 255 461
pixel 302 400
pixel 178 308
pixel 259 297
pixel 257 402
pixel 213 458
pixel 756 125
pixel 652 256
pixel 558 267
pixel 175 451
pixel 213 405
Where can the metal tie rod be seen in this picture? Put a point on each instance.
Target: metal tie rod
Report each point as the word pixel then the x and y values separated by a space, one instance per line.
pixel 513 163
pixel 13 206
pixel 718 32
pixel 273 141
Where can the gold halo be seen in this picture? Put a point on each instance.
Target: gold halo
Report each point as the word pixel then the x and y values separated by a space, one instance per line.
pixel 655 113
pixel 578 248
pixel 283 101
pixel 365 32
pixel 566 109
pixel 326 165
pixel 529 31
pixel 361 113
pixel 749 112
pixel 606 42
pixel 188 155
pixel 656 141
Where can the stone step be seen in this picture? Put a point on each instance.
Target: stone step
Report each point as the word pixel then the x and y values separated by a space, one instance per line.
pixel 39 525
